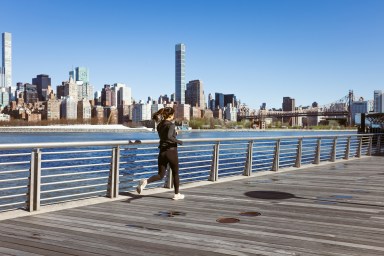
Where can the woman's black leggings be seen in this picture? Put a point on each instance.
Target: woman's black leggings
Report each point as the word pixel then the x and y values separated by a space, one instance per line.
pixel 168 156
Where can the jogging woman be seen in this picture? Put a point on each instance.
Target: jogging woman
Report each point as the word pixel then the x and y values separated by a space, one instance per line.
pixel 168 150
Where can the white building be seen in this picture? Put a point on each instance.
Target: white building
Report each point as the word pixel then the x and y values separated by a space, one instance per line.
pixel 71 89
pixel 5 118
pixel 124 94
pixel 231 113
pixel 68 108
pixel 4 97
pixel 84 91
pixel 141 112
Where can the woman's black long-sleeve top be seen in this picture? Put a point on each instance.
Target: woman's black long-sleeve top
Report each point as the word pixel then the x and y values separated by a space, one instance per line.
pixel 167 134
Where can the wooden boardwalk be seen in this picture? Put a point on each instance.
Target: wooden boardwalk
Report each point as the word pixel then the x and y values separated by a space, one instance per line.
pixel 334 209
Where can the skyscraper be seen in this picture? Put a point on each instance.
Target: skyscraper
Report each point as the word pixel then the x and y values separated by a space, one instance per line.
pixel 2 77
pixel 289 105
pixel 358 107
pixel 180 73
pixel 219 100
pixel 84 109
pixel 81 76
pixel 43 82
pixel 378 104
pixel 211 102
pixel 230 99
pixel 7 58
pixel 68 108
pixel 4 97
pixel 124 95
pixel 106 96
pixel 71 89
pixel 30 93
pixel 194 95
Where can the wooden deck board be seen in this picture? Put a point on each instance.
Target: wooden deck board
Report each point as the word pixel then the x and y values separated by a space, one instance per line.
pixel 335 209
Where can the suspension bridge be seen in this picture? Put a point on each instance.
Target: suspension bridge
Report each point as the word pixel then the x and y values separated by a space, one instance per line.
pixel 338 109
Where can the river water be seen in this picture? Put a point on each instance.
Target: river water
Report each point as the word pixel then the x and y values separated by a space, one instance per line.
pixel 107 136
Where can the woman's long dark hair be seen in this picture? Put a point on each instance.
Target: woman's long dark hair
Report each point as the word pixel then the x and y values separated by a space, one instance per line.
pixel 163 114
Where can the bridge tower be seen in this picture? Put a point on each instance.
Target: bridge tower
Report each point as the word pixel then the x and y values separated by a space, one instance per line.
pixel 350 101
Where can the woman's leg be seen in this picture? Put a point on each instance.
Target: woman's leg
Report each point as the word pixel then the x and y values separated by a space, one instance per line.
pixel 173 159
pixel 162 162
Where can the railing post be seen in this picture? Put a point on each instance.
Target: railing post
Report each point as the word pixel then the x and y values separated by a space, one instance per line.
pixel 359 147
pixel 275 165
pixel 333 153
pixel 113 181
pixel 378 145
pixel 369 152
pixel 34 181
pixel 215 163
pixel 347 148
pixel 299 152
pixel 318 152
pixel 248 164
pixel 169 179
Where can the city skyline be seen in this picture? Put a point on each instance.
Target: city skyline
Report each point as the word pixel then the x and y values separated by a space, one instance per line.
pixel 261 51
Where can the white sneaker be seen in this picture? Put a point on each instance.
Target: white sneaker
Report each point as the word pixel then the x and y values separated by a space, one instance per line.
pixel 178 197
pixel 141 186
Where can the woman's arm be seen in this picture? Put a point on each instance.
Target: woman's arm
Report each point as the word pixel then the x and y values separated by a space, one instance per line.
pixel 171 135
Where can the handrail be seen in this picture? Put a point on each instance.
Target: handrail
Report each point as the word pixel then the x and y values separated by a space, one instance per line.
pixel 128 142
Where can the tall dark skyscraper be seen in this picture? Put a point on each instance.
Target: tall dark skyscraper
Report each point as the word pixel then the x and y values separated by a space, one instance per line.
pixel 219 100
pixel 230 98
pixel 42 82
pixel 289 105
pixel 180 73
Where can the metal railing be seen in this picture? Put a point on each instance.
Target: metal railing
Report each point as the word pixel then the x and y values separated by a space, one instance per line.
pixel 34 175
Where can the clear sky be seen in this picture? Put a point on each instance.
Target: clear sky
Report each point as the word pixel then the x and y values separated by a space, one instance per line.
pixel 260 50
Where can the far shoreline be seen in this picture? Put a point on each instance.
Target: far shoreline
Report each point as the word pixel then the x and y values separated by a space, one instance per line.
pixel 270 130
pixel 72 128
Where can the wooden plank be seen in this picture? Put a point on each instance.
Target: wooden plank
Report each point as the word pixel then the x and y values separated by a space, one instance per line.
pixel 315 220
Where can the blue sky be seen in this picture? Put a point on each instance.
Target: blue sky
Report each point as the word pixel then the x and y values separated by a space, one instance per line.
pixel 311 50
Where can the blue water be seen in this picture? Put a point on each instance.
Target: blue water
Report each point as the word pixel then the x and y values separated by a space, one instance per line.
pixel 6 138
